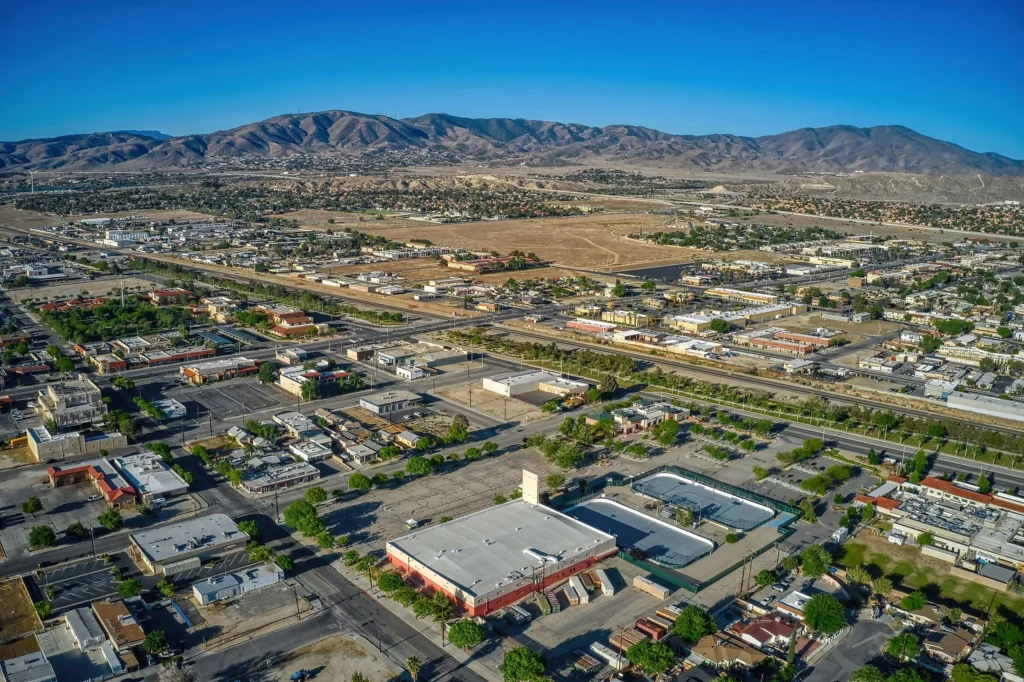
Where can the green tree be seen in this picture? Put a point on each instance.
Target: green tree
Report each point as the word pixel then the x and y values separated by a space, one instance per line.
pixel 693 623
pixel 719 325
pixel 984 486
pixel 406 596
pixel 858 575
pixel 76 530
pixel 867 673
pixel 266 374
pixel 881 586
pixel 249 528
pixel 522 665
pixel 619 290
pixel 760 473
pixel 825 614
pixel 668 431
pixel 790 563
pixel 43 608
pixel 316 495
pixel 41 536
pixel 684 517
pixel 413 665
pixel 310 390
pixel 302 516
pixel 259 554
pixel 390 581
pixel 925 539
pixel 31 506
pixel 166 588
pixel 815 560
pixel 465 634
pixel 129 588
pixel 111 519
pixel 555 481
pixel 653 658
pixel 284 562
pixel 155 642
pixel 360 482
pixel 764 577
pixel 648 287
pixel 904 647
pixel 418 466
pixel 913 601
pixel 325 540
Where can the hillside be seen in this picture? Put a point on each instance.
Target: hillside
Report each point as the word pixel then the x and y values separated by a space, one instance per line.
pixel 831 149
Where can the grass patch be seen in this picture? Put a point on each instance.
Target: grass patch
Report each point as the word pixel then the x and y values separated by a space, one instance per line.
pixel 915 572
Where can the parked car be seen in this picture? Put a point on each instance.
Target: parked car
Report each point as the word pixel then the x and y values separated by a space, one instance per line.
pixel 93 498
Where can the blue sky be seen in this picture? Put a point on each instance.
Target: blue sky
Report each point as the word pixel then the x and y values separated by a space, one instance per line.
pixel 954 71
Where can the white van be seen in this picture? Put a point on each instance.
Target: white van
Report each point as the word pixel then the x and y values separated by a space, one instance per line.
pixel 411 523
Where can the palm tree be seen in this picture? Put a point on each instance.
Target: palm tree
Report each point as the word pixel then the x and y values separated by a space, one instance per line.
pixel 413 664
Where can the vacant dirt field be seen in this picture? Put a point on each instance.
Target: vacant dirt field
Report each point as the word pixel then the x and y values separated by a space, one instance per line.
pixel 334 658
pixel 506 409
pixel 150 214
pixel 25 220
pixel 19 615
pixel 84 287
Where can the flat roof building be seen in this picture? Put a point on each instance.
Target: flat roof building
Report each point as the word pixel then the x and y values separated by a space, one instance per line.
pixel 233 584
pixel 84 628
pixel 496 556
pixel 45 445
pixel 33 667
pixel 71 403
pixel 390 401
pixel 517 383
pixel 218 370
pixel 150 477
pixel 278 477
pixel 183 546
pixel 119 624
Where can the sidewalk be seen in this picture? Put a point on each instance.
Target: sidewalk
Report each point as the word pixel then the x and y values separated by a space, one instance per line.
pixel 431 632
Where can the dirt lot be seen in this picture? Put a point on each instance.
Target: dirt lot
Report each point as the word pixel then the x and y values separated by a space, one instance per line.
pixel 228 621
pixel 19 615
pixel 811 321
pixel 25 220
pixel 152 214
pixel 217 446
pixel 506 409
pixel 335 658
pixel 84 287
pixel 589 241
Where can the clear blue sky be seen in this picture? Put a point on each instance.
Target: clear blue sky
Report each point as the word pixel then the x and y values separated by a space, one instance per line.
pixel 952 70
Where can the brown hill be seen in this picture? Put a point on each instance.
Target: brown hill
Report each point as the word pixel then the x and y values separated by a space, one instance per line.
pixel 830 149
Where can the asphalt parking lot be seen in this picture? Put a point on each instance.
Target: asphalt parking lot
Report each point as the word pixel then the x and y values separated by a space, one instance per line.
pixel 233 397
pixel 80 582
pixel 61 506
pixel 231 562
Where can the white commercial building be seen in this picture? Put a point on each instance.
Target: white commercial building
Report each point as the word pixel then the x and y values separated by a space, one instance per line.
pixel 150 477
pixel 233 584
pixel 518 383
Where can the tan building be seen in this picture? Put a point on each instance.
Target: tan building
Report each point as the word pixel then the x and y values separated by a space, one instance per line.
pixel 71 403
pixel 45 445
pixel 119 624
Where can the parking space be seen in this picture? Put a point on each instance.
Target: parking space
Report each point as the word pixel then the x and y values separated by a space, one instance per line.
pixel 78 583
pixel 61 506
pixel 238 397
pixel 231 562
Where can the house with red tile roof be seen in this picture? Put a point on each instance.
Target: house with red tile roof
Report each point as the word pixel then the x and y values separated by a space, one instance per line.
pixel 107 481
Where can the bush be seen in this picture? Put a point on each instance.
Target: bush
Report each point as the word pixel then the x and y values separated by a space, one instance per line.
pixel 44 609
pixel 31 506
pixel 111 519
pixel 249 528
pixel 284 562
pixel 913 601
pixel 360 482
pixel 732 538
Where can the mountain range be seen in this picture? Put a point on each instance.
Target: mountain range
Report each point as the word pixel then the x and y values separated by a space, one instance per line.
pixel 838 148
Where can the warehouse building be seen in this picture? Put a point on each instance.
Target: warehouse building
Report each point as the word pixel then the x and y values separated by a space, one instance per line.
pixel 186 545
pixel 496 556
pixel 267 479
pixel 987 405
pixel 518 383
